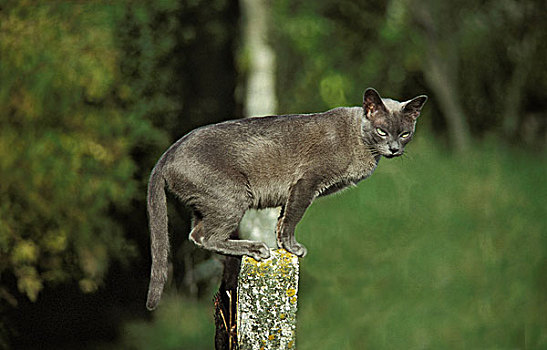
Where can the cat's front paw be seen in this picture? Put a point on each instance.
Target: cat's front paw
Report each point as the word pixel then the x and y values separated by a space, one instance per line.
pixel 297 249
pixel 259 252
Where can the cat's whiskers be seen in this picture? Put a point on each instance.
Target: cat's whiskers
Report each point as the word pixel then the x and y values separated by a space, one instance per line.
pixel 373 151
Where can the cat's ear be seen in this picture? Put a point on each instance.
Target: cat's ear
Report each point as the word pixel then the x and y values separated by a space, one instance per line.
pixel 413 107
pixel 372 103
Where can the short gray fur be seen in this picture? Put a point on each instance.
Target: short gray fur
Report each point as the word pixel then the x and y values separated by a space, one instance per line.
pixel 222 170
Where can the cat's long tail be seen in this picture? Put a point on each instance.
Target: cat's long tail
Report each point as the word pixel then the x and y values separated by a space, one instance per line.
pixel 159 237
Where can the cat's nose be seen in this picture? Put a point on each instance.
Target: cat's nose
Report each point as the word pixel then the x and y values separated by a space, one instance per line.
pixel 393 150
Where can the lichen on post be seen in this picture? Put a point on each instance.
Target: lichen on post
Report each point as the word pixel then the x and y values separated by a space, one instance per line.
pixel 267 302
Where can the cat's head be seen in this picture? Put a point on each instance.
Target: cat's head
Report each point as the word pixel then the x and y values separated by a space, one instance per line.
pixel 388 125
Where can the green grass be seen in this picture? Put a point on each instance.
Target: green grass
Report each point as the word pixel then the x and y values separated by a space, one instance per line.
pixel 432 252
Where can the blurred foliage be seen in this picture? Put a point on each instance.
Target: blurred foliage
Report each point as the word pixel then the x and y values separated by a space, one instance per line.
pixel 172 52
pixel 321 60
pixel 65 144
pixel 179 324
pixel 487 57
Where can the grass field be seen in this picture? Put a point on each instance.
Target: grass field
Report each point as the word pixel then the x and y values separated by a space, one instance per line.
pixel 433 251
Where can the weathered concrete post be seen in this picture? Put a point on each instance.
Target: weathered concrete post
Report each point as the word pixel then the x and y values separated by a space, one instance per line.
pixel 258 312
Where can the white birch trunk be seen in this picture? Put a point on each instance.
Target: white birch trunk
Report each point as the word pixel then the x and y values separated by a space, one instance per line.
pixel 260 100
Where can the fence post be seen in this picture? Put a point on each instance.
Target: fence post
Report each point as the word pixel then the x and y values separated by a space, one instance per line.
pixel 265 304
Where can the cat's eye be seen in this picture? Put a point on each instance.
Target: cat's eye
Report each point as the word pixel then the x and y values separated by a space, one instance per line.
pixel 381 132
pixel 405 134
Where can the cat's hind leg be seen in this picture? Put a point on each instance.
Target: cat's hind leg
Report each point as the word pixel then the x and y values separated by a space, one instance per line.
pixel 217 211
pixel 215 231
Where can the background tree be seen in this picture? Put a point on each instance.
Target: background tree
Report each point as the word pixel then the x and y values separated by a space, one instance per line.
pixel 481 62
pixel 438 24
pixel 260 100
pixel 65 146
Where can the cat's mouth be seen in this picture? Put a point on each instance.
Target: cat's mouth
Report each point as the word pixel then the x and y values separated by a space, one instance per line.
pixel 390 154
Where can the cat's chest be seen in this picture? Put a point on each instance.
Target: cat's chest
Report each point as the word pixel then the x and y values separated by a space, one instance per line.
pixel 362 166
pixel 355 172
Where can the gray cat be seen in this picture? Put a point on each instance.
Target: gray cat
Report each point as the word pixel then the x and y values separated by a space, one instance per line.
pixel 287 161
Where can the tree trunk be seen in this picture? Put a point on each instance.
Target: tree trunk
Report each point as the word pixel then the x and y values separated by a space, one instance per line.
pixel 260 100
pixel 445 91
pixel 441 71
pixel 515 87
pixel 226 306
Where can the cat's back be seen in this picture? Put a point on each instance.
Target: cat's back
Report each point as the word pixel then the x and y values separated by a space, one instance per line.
pixel 278 125
pixel 268 142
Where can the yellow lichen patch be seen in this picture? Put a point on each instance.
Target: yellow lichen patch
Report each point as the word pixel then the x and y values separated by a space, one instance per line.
pixel 291 344
pixel 271 337
pixel 291 292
